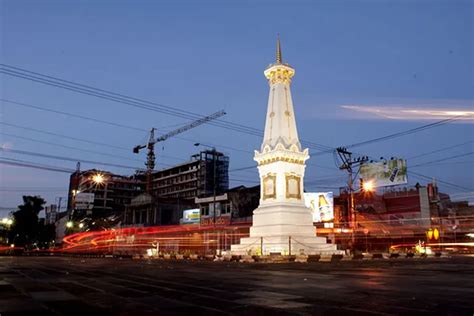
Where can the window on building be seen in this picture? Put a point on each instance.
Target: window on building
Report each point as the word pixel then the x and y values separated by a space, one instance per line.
pixel 205 210
pixel 226 209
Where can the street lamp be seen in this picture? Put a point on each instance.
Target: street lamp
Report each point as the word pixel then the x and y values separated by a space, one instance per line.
pixel 69 224
pixel 7 221
pixel 99 179
pixel 368 186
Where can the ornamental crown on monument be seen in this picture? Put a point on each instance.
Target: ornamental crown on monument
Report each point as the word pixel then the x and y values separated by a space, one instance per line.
pixel 280 141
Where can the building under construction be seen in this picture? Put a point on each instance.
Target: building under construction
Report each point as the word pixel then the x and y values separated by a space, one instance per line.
pixel 174 189
pixel 109 193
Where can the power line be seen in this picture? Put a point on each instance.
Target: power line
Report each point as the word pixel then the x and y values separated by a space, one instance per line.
pixel 441 149
pixel 121 98
pixel 36 154
pixel 64 136
pixel 443 159
pixel 29 164
pixel 88 118
pixel 68 147
pixel 111 96
pixel 400 134
pixel 407 132
pixel 441 181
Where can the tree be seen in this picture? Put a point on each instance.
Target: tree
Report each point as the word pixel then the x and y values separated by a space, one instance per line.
pixel 25 228
pixel 46 234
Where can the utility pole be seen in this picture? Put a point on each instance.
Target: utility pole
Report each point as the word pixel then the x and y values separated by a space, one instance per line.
pixel 347 164
pixel 59 203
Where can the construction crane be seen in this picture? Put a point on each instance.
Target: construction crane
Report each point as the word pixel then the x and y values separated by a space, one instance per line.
pixel 150 162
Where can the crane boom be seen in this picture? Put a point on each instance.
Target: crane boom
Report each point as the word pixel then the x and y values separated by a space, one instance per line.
pixel 150 163
pixel 190 125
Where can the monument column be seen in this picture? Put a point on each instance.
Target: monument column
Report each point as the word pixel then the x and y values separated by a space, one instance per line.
pixel 282 217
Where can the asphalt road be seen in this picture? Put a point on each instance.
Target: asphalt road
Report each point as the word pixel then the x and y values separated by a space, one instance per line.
pixel 77 286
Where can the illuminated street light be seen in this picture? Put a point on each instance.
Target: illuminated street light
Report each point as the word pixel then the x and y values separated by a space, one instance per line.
pixel 81 225
pixel 69 224
pixel 368 186
pixel 7 221
pixel 98 178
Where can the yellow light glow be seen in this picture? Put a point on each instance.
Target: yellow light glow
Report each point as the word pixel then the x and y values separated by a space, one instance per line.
pixel 368 186
pixel 436 233
pixel 4 220
pixel 98 178
pixel 10 222
pixel 429 234
pixel 69 224
pixel 81 225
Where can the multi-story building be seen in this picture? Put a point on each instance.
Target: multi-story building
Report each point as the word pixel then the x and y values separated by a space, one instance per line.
pixel 194 178
pixel 99 193
pixel 174 189
pixel 236 204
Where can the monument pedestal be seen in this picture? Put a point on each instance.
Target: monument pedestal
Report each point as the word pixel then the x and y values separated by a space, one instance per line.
pixel 284 228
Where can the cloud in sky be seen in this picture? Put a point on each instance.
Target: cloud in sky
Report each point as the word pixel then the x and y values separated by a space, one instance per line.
pixel 410 113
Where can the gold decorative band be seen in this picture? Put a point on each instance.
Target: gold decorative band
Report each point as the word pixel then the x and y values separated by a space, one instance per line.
pixel 284 159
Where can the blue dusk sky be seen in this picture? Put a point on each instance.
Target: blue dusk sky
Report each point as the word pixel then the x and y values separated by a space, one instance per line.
pixel 364 69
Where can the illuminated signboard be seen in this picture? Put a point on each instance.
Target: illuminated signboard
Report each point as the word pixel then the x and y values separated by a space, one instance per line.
pixel 191 216
pixel 385 173
pixel 321 205
pixel 84 201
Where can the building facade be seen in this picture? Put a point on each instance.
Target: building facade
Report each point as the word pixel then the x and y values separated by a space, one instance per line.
pixel 98 193
pixel 194 178
pixel 235 205
pixel 174 189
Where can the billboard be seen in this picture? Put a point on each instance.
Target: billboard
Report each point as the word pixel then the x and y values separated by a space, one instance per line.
pixel 84 201
pixel 321 205
pixel 385 173
pixel 191 216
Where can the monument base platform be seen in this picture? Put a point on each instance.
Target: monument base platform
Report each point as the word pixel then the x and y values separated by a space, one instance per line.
pixel 284 245
pixel 284 228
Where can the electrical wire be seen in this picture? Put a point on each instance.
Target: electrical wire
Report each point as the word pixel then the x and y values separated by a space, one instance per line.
pixel 440 150
pixel 37 154
pixel 442 159
pixel 88 118
pixel 121 98
pixel 29 164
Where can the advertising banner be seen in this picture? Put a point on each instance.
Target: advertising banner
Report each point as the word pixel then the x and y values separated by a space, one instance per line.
pixel 385 173
pixel 84 201
pixel 84 198
pixel 321 205
pixel 191 216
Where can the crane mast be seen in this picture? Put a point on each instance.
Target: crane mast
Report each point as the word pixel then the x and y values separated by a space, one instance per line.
pixel 150 162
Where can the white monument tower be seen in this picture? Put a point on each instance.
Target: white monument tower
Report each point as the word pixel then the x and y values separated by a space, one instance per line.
pixel 282 223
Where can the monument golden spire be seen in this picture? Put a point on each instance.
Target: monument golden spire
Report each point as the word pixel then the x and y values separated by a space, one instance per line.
pixel 278 50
